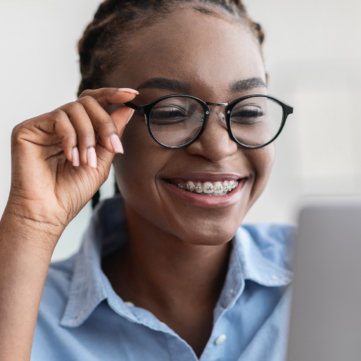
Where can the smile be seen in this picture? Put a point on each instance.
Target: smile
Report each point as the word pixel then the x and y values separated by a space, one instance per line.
pixel 208 188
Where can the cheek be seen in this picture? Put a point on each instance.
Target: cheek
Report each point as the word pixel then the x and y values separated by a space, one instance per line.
pixel 140 161
pixel 138 173
pixel 264 159
pixel 138 168
pixel 262 162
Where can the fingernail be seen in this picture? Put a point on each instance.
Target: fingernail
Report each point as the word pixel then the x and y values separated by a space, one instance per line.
pixel 92 157
pixel 76 162
pixel 130 115
pixel 128 90
pixel 116 143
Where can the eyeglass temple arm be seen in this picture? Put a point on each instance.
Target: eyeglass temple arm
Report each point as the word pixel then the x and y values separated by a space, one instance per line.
pixel 288 109
pixel 134 106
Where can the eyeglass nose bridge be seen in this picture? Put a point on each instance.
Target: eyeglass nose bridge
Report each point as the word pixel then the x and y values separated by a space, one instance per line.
pixel 218 104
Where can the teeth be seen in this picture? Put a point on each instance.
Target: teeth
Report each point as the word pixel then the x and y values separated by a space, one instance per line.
pixel 191 186
pixel 233 184
pixel 208 187
pixel 227 186
pixel 216 188
pixel 199 188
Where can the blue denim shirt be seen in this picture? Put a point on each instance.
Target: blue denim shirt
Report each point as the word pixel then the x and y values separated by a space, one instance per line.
pixel 82 318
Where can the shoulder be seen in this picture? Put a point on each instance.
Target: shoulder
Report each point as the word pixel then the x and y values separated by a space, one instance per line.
pixel 53 302
pixel 274 241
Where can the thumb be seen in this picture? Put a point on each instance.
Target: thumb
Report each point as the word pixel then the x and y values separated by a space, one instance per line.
pixel 120 117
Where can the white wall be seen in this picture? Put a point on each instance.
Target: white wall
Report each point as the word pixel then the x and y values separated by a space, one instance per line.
pixel 313 55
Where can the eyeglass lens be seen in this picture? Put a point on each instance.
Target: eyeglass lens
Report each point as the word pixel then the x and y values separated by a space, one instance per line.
pixel 178 120
pixel 256 121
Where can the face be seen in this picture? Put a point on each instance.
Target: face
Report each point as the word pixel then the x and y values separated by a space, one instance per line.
pixel 206 55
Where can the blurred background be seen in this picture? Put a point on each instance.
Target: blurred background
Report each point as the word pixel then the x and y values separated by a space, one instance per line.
pixel 313 56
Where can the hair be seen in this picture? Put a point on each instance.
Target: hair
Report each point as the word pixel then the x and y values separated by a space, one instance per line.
pixel 100 48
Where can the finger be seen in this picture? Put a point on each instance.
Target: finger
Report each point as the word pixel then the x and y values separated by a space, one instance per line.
pixel 108 96
pixel 103 124
pixel 121 118
pixel 67 134
pixel 85 132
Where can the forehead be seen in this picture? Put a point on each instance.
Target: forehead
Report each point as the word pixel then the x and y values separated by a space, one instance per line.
pixel 200 49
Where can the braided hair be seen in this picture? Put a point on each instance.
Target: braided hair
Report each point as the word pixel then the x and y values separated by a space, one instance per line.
pixel 100 48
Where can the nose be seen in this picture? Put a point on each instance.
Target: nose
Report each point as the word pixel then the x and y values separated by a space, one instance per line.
pixel 214 143
pixel 218 104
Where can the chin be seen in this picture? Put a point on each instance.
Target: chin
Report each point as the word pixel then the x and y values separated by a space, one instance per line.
pixel 209 235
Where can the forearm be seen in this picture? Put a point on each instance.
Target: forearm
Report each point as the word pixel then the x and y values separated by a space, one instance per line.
pixel 24 263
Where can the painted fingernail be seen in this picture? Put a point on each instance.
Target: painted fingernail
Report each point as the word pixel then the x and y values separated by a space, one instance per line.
pixel 76 161
pixel 128 90
pixel 116 143
pixel 91 157
pixel 130 115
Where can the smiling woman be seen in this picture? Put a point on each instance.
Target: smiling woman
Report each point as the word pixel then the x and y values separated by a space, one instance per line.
pixel 166 270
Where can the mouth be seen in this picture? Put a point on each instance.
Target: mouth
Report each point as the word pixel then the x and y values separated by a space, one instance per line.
pixel 207 188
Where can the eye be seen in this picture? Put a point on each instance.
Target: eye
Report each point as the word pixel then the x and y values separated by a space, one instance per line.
pixel 171 114
pixel 167 115
pixel 247 114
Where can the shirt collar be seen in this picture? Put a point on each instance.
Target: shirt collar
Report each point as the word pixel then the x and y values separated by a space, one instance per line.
pixel 255 255
pixel 107 231
pixel 89 285
pixel 249 261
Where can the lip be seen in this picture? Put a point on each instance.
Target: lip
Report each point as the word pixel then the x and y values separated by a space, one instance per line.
pixel 208 201
pixel 207 177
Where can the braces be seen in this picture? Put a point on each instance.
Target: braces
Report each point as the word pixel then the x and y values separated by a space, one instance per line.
pixel 199 188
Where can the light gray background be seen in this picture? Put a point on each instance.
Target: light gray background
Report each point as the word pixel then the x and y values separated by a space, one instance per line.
pixel 313 56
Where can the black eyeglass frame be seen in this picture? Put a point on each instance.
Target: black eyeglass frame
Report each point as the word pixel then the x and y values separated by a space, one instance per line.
pixel 147 108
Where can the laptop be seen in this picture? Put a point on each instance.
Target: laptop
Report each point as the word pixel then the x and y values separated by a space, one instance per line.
pixel 325 322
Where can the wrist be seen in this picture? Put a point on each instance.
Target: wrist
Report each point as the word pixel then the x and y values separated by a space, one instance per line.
pixel 20 228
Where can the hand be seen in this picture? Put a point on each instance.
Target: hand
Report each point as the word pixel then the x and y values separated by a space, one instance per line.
pixel 60 159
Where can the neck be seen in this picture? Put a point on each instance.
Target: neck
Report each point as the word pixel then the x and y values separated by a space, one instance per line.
pixel 178 282
pixel 158 269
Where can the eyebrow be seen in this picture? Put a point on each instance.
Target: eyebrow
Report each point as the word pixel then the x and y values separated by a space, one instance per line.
pixel 166 84
pixel 178 86
pixel 247 84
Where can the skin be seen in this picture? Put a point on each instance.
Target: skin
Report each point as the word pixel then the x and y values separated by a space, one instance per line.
pixel 176 259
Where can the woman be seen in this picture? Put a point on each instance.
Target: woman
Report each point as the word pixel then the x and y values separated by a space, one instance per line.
pixel 165 271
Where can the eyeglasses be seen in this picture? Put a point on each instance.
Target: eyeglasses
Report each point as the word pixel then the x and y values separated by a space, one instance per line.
pixel 176 121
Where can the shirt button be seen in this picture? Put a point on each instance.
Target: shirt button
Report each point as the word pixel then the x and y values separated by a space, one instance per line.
pixel 129 304
pixel 220 339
